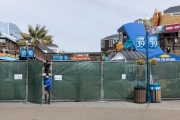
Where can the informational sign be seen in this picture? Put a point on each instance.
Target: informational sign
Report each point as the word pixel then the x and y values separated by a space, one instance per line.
pixel 17 76
pixel 57 77
pixel 166 57
pixel 140 42
pixel 123 76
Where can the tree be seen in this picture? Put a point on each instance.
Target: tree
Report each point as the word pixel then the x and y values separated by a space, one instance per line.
pixel 37 35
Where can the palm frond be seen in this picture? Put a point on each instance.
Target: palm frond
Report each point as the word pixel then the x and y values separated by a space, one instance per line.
pixel 31 31
pixel 25 36
pixel 22 42
pixel 48 37
pixel 42 29
pixel 42 35
pixel 37 29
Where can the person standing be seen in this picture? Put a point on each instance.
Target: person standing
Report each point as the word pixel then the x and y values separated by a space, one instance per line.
pixel 48 88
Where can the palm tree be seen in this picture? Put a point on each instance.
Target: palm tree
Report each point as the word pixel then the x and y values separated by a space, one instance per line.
pixel 47 39
pixel 36 36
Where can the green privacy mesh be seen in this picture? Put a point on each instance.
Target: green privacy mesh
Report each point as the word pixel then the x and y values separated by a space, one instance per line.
pixel 80 80
pixel 168 75
pixel 12 80
pixel 120 79
pixel 35 81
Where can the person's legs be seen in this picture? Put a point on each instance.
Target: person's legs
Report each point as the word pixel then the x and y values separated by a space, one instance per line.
pixel 46 95
pixel 49 96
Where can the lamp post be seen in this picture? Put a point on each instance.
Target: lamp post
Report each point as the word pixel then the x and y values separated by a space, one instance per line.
pixel 146 23
pixel 27 43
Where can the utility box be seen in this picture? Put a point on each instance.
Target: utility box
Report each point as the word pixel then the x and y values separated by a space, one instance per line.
pixel 139 94
pixel 155 92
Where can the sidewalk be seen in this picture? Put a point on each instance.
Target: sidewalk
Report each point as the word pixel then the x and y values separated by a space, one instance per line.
pixel 93 110
pixel 164 105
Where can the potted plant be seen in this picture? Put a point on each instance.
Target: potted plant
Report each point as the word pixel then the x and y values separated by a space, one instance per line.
pixel 153 61
pixel 140 61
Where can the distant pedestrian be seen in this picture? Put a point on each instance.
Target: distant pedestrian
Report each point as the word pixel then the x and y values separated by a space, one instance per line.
pixel 48 88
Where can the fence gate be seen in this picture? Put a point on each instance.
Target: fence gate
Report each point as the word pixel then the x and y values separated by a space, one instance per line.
pixel 35 81
pixel 13 80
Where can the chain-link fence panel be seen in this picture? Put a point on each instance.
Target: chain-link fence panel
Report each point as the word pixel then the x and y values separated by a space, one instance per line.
pixel 120 78
pixel 168 75
pixel 35 81
pixel 80 80
pixel 13 80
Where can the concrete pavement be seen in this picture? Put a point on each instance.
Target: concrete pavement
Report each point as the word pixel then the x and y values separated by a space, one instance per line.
pixel 91 110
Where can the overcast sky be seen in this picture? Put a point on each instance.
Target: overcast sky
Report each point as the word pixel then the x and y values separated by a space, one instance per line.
pixel 79 25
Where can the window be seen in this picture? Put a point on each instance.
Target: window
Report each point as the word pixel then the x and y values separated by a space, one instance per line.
pixel 102 44
pixel 110 43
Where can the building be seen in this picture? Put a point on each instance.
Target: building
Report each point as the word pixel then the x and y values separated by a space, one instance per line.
pixel 108 42
pixel 54 47
pixel 167 25
pixel 9 35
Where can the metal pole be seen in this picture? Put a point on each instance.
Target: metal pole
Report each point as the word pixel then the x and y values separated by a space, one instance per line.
pixel 27 74
pixel 102 74
pixel 27 81
pixel 148 99
pixel 102 83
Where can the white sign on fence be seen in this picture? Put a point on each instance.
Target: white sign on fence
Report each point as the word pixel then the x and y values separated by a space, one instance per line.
pixel 17 76
pixel 123 76
pixel 57 77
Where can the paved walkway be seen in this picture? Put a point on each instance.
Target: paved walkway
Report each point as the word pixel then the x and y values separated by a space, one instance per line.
pixel 110 110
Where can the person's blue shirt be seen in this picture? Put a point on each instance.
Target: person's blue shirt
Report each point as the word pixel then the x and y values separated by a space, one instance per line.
pixel 48 83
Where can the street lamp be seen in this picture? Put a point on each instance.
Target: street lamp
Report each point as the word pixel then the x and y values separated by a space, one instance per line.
pixel 146 23
pixel 27 43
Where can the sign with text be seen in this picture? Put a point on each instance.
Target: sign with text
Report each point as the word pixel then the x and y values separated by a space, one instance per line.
pixel 152 42
pixel 17 76
pixel 140 42
pixel 57 77
pixel 172 28
pixel 166 57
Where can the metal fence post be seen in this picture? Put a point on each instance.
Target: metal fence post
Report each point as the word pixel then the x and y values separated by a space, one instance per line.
pixel 27 81
pixel 102 83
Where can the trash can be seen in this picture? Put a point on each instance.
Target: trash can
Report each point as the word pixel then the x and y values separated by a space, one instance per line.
pixel 139 94
pixel 155 89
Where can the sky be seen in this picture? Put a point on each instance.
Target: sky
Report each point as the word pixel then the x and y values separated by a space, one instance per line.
pixel 79 25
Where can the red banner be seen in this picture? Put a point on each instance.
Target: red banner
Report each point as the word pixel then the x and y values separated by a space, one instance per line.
pixel 172 28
